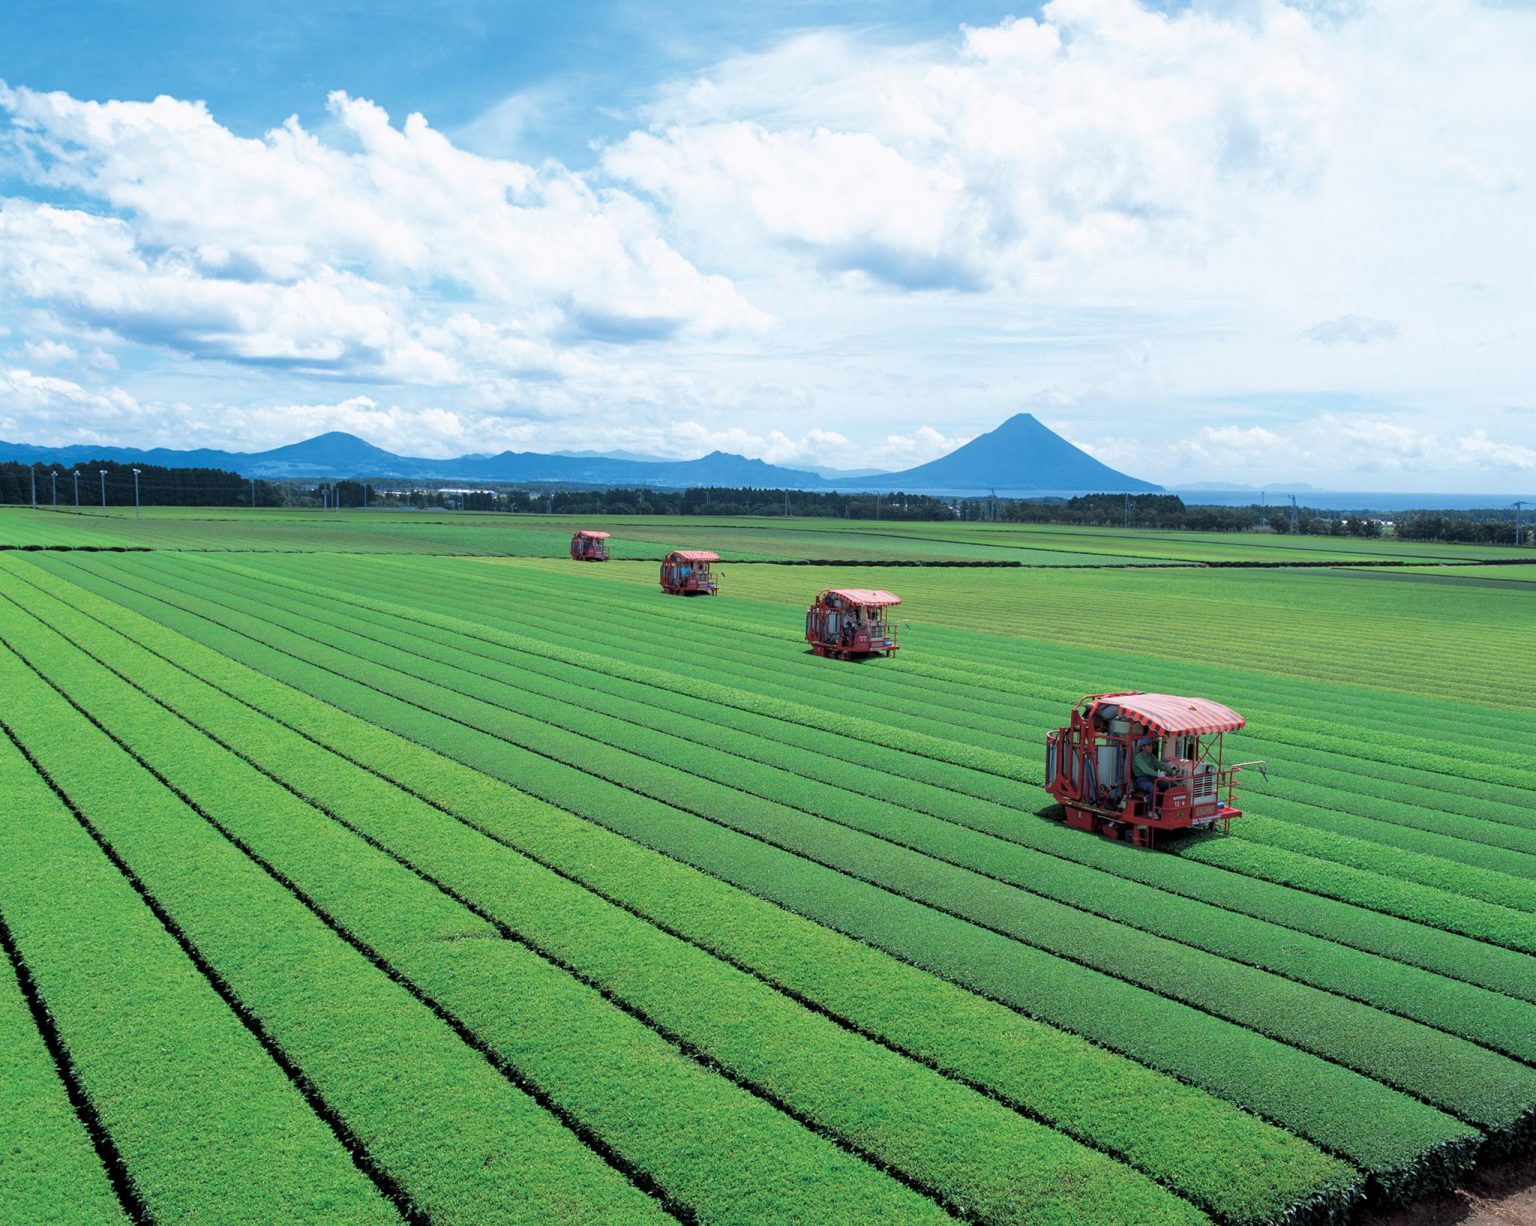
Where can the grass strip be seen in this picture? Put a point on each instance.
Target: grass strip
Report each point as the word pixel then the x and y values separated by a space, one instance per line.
pixel 429 1110
pixel 206 1125
pixel 54 1156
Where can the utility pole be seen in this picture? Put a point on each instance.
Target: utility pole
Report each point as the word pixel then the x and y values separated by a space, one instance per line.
pixel 253 493
pixel 1519 506
pixel 53 480
pixel 76 476
pixel 1127 510
pixel 103 473
pixel 1295 518
pixel 137 514
pixel 33 470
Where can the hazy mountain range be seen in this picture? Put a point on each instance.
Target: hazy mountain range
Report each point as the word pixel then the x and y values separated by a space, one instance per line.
pixel 1021 456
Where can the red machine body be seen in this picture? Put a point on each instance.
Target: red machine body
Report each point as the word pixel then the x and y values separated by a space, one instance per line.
pixel 1089 765
pixel 849 622
pixel 589 546
pixel 686 572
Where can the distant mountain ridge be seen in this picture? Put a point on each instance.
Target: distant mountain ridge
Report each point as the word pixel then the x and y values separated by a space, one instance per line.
pixel 1020 456
pixel 340 455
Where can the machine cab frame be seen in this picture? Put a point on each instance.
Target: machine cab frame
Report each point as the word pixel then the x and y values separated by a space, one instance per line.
pixel 849 622
pixel 589 545
pixel 687 572
pixel 1089 765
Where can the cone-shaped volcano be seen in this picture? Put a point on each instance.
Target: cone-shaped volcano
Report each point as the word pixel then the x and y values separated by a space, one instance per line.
pixel 1020 456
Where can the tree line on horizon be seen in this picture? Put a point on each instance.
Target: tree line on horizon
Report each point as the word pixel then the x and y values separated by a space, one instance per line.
pixel 107 483
pixel 111 484
pixel 1463 528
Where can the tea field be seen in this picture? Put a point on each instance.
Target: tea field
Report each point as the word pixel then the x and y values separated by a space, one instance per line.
pixel 649 537
pixel 381 867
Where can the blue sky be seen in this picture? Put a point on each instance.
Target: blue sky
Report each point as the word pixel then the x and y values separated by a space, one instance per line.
pixel 1242 240
pixel 588 66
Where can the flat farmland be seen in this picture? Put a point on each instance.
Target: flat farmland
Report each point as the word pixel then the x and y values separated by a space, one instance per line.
pixel 649 537
pixel 379 867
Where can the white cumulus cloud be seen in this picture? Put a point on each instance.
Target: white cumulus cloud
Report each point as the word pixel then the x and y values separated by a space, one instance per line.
pixel 292 249
pixel 52 410
pixel 1328 448
pixel 1099 128
pixel 1477 450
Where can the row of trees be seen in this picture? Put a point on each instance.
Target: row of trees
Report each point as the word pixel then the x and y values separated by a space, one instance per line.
pixel 56 485
pixel 703 500
pixel 1139 511
pixel 1109 510
pixel 108 483
pixel 1170 511
pixel 1316 523
pixel 1463 528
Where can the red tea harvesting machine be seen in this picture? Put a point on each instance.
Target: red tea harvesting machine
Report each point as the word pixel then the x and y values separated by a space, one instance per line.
pixel 851 621
pixel 590 546
pixel 1131 764
pixel 686 572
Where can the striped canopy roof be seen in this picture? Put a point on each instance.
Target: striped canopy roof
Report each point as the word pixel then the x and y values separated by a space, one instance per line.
pixel 1171 714
pixel 693 555
pixel 862 596
pixel 599 536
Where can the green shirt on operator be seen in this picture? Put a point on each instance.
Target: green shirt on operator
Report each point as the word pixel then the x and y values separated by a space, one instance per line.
pixel 1146 764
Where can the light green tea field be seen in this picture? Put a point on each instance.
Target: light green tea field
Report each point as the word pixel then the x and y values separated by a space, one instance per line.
pixel 393 867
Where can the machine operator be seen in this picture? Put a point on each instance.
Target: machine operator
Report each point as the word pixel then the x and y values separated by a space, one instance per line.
pixel 1149 773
